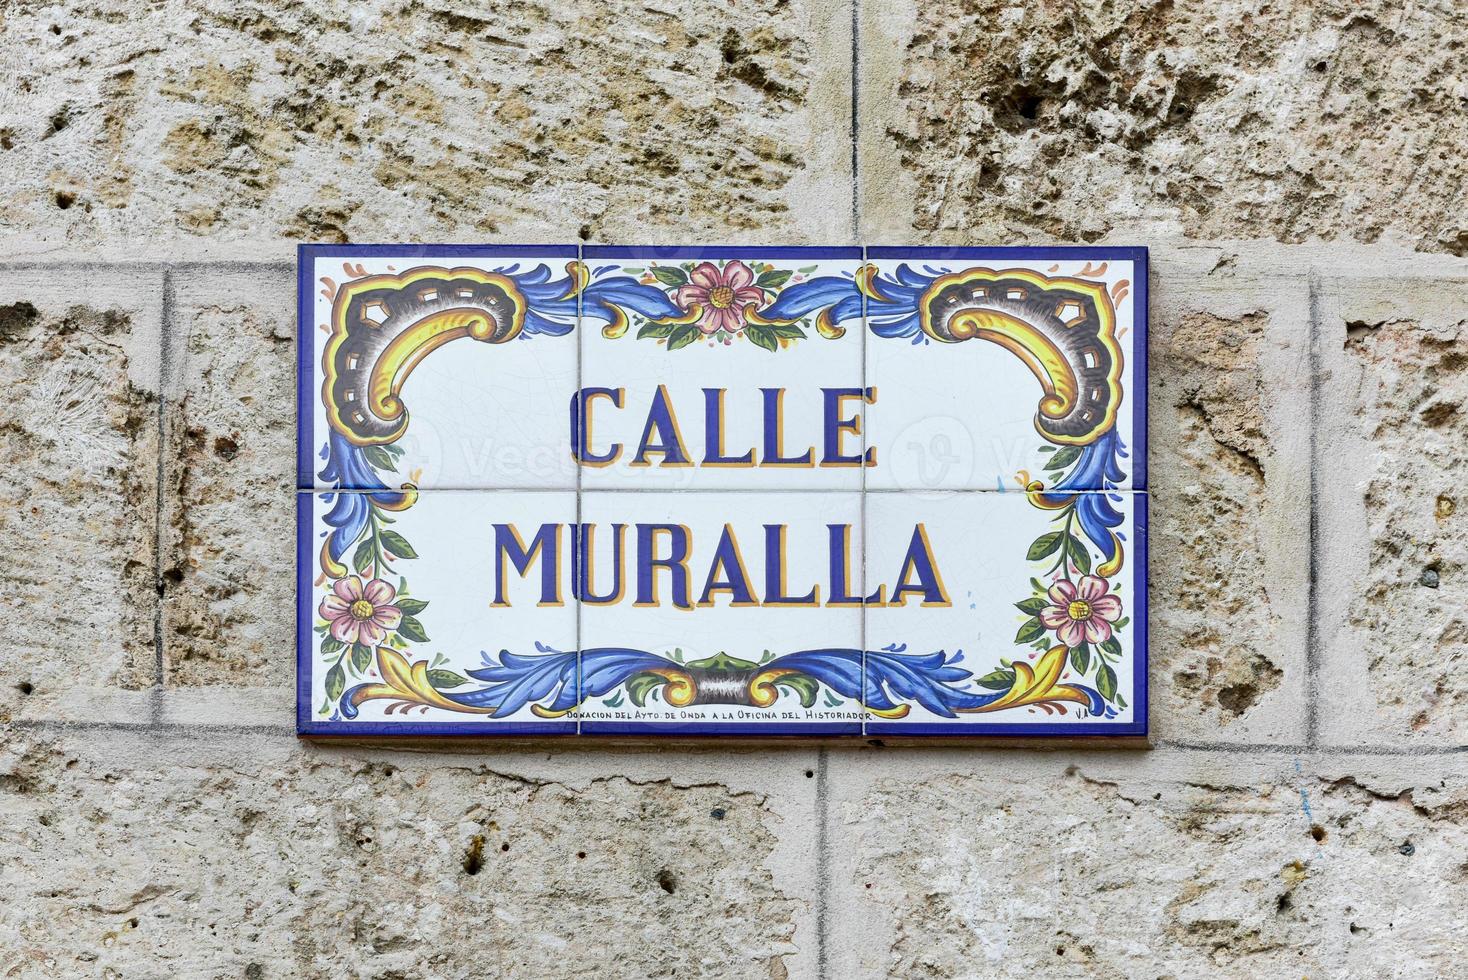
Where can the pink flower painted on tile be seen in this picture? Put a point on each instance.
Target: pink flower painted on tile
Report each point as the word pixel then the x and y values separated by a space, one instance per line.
pixel 722 295
pixel 1081 613
pixel 358 613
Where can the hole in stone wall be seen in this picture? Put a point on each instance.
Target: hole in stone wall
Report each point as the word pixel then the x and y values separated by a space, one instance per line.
pixel 667 882
pixel 474 856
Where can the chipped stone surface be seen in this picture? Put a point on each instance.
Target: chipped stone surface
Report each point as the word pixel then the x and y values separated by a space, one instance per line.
pixel 423 120
pixel 229 508
pixel 1242 120
pixel 329 863
pixel 1404 397
pixel 1070 870
pixel 1217 639
pixel 78 491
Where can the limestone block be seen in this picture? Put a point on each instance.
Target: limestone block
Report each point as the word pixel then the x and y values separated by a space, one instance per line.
pixel 1393 564
pixel 1099 866
pixel 1002 122
pixel 228 518
pixel 267 859
pixel 1229 467
pixel 426 121
pixel 78 491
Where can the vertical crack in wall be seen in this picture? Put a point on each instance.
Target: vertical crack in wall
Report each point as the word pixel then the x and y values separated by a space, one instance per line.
pixel 165 369
pixel 855 120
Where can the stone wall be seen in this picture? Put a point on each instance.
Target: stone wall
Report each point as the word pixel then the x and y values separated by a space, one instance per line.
pixel 1298 172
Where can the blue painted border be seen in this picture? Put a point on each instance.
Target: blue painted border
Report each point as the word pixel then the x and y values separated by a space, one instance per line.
pixel 850 252
pixel 306 256
pixel 1136 727
pixel 305 358
pixel 455 251
pixel 1141 327
pixel 305 565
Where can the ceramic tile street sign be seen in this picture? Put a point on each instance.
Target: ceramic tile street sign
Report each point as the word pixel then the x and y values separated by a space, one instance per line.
pixel 656 491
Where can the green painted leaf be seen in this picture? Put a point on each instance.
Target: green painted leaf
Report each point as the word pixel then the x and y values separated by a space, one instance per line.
pixel 682 336
pixel 1112 646
pixel 397 544
pixel 336 681
pixel 762 337
pixel 411 607
pixel 441 679
pixel 362 557
pixel 1044 545
pixel 1037 585
pixel 379 458
pixel 788 331
pixel 1080 659
pixel 639 686
pixel 1106 682
pixel 613 702
pixel 1080 555
pixel 806 270
pixel 361 657
pixel 773 279
pixel 1047 449
pixel 411 629
pixel 1031 631
pixel 802 684
pixel 1063 458
pixel 997 680
pixel 1032 605
pixel 654 330
pixel 331 645
pixel 1120 622
pixel 670 275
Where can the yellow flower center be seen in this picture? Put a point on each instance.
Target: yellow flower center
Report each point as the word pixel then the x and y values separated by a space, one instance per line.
pixel 721 297
pixel 362 609
pixel 1079 610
